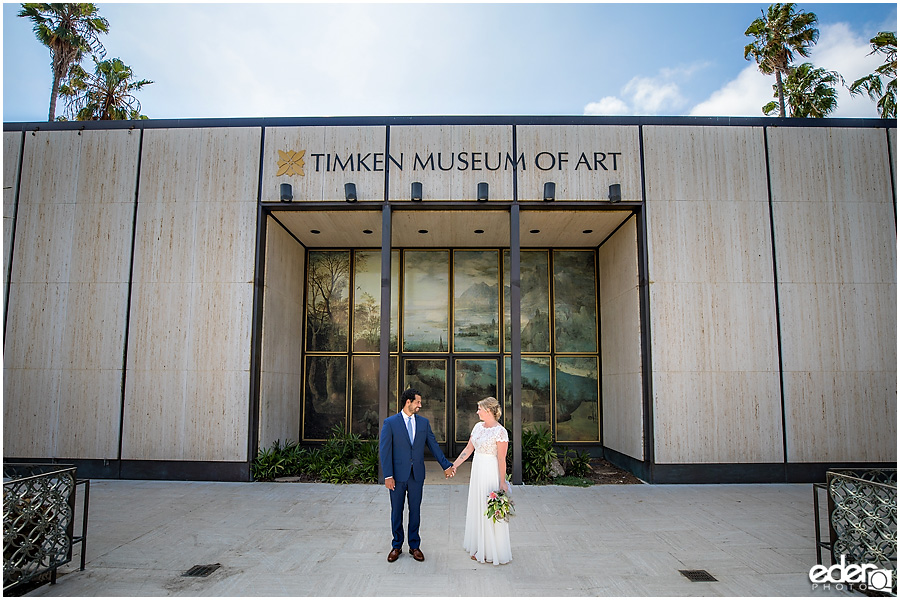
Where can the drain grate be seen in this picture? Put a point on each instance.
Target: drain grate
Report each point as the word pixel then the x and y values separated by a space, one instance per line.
pixel 200 570
pixel 697 575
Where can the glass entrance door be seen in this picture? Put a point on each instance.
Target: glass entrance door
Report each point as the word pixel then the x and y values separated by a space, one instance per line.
pixel 451 339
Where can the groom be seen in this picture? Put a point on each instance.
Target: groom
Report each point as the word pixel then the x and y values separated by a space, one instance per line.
pixel 402 451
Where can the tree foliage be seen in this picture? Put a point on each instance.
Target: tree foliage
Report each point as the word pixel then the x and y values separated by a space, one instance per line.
pixel 777 35
pixel 809 92
pixel 881 85
pixel 69 31
pixel 105 95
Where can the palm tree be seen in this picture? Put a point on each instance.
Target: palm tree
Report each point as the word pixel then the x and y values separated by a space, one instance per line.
pixel 777 35
pixel 810 92
pixel 105 95
pixel 68 30
pixel 873 85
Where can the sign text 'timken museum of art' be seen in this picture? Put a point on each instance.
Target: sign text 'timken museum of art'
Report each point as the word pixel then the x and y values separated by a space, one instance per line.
pixel 462 161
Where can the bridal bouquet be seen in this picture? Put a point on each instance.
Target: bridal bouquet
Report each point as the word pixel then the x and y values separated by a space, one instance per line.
pixel 500 507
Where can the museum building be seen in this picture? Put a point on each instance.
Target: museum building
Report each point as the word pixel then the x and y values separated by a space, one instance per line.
pixel 698 300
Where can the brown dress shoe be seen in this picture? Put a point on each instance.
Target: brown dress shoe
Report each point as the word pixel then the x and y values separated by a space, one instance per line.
pixel 394 554
pixel 417 554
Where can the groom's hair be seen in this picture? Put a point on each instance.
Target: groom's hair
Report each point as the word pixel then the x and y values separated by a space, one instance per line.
pixel 408 395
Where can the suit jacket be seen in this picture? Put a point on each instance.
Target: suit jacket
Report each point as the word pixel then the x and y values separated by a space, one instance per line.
pixel 399 457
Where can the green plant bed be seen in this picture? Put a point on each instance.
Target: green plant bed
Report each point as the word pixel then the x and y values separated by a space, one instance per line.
pixel 344 458
pixel 537 454
pixel 573 481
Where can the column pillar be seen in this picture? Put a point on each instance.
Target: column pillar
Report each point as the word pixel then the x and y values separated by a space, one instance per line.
pixel 515 313
pixel 384 348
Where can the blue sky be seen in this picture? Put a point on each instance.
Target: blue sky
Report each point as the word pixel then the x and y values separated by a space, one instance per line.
pixel 309 59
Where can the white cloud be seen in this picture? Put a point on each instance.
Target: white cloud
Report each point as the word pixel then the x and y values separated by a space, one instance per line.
pixel 648 95
pixel 838 49
pixel 740 97
pixel 609 105
pixel 683 72
pixel 651 95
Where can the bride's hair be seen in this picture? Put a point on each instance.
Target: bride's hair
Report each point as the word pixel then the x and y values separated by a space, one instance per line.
pixel 491 405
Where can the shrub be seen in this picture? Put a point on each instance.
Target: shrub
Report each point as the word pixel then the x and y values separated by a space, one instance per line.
pixel 576 463
pixel 537 454
pixel 344 458
pixel 269 463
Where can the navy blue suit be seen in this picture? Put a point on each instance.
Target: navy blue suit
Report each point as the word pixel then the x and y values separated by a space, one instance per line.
pixel 405 462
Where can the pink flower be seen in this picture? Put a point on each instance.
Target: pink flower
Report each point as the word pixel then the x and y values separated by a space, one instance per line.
pixel 493 495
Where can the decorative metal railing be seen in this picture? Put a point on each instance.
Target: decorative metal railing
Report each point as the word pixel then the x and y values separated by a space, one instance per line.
pixel 38 511
pixel 862 518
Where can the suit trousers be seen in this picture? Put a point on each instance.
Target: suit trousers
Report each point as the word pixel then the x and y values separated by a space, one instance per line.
pixel 403 490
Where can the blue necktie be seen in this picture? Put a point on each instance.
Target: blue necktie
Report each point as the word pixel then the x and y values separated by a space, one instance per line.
pixel 409 429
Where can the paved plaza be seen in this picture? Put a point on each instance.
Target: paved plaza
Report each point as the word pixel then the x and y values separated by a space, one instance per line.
pixel 302 539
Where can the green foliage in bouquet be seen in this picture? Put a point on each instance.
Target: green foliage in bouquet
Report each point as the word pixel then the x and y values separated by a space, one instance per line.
pixel 500 506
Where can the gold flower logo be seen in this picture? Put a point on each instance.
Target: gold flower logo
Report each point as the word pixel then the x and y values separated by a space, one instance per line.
pixel 291 163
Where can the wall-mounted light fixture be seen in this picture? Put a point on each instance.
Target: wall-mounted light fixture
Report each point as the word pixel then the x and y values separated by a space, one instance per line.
pixel 615 192
pixel 350 192
pixel 287 193
pixel 415 191
pixel 483 191
pixel 549 191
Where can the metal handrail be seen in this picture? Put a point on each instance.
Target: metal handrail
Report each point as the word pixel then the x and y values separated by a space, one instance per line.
pixel 82 539
pixel 817 487
pixel 38 508
pixel 862 517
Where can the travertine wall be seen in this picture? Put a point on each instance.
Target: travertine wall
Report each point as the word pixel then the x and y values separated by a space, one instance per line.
pixel 68 295
pixel 323 177
pixel 582 160
pixel 282 338
pixel 714 269
pixel 189 343
pixel 836 249
pixel 453 183
pixel 714 346
pixel 620 343
pixel 12 142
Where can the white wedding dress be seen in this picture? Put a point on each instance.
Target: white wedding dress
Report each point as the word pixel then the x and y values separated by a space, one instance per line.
pixel 485 540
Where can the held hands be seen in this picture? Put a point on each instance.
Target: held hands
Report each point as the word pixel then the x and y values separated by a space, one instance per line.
pixel 450 471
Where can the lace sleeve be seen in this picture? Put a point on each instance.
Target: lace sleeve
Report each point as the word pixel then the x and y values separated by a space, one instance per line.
pixel 503 435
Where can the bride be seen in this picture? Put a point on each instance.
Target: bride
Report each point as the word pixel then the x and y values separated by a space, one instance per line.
pixel 485 540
